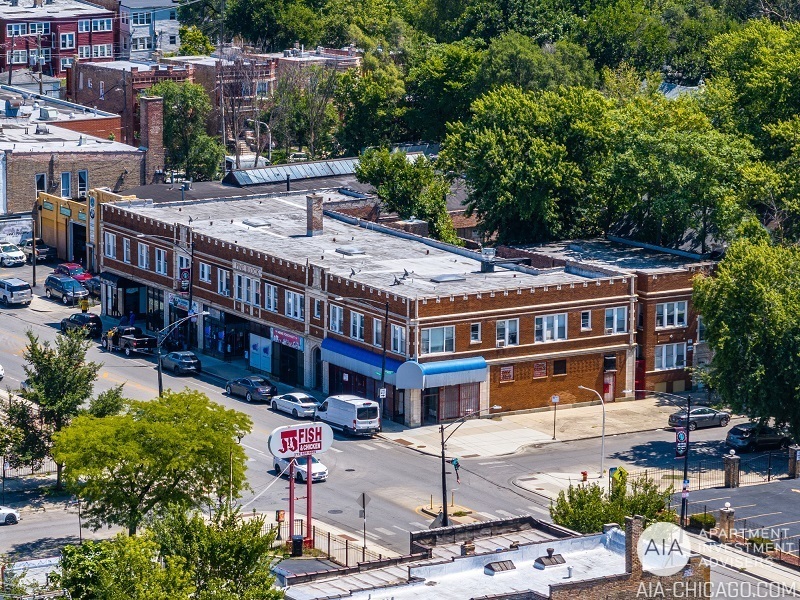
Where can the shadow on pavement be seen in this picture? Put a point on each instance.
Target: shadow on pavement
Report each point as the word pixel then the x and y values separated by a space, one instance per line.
pixel 662 453
pixel 41 548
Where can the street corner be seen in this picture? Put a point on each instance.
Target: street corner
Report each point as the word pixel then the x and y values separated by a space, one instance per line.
pixel 549 485
pixel 457 515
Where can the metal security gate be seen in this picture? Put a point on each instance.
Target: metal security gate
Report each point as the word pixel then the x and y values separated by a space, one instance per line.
pixel 763 468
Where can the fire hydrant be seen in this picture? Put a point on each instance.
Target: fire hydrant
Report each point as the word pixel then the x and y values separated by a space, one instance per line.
pixel 584 475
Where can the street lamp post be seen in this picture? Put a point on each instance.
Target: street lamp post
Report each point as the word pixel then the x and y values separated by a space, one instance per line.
pixel 442 429
pixel 162 335
pixel 603 434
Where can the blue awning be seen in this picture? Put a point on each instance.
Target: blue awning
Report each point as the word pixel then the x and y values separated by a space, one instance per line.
pixel 413 375
pixel 358 360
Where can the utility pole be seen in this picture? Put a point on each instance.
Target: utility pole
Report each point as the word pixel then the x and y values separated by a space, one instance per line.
pixel 685 494
pixel 221 71
pixel 11 58
pixel 39 59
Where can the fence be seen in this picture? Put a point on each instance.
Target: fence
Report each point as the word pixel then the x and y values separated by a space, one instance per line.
pixel 343 550
pixel 760 469
pixel 703 474
pixel 48 466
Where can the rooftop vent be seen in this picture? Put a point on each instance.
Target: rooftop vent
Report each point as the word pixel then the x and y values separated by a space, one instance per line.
pixel 551 560
pixel 41 129
pixel 47 113
pixel 448 277
pixel 350 250
pixel 494 568
pixel 255 222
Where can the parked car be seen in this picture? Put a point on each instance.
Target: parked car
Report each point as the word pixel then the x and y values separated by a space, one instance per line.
pixel 66 288
pixel 15 291
pixel 351 414
pixel 43 251
pixel 252 388
pixel 93 286
pixel 11 256
pixel 181 362
pixel 9 516
pixel 297 404
pixel 73 270
pixel 700 417
pixel 319 472
pixel 748 437
pixel 128 340
pixel 90 323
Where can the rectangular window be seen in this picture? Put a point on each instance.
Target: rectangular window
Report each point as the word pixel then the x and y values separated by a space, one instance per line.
pixel 67 41
pixel 701 330
pixel 223 282
pixel 438 339
pixel 317 308
pixel 474 333
pixel 586 320
pixel 617 320
pixel 356 326
pixel 89 79
pixel 161 261
pixel 559 367
pixel 85 52
pixel 17 57
pixel 671 314
pixel 126 250
pixel 66 185
pixel 239 287
pixel 144 256
pixel 101 25
pixel 110 245
pixel 377 332
pixel 16 29
pixel 39 28
pixel 66 63
pixel 102 51
pixel 84 26
pixel 173 15
pixel 184 262
pixel 41 182
pixel 507 332
pixel 173 40
pixel 125 17
pixel 270 297
pixel 399 339
pixel 83 183
pixel 336 323
pixel 141 18
pixel 205 272
pixel 295 306
pixel 550 328
pixel 142 43
pixel 670 356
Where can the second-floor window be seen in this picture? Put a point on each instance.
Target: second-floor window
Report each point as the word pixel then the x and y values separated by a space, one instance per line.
pixel 223 282
pixel 248 290
pixel 671 314
pixel 586 320
pixel 550 328
pixel 141 18
pixel 101 24
pixel 617 319
pixel 317 308
pixel 83 183
pixel 701 330
pixel 295 306
pixel 271 297
pixel 205 272
pixel 144 256
pixel 85 52
pixel 84 26
pixel 142 43
pixel 507 333
pixel 161 261
pixel 40 28
pixel 126 250
pixel 399 339
pixel 377 332
pixel 110 244
pixel 357 326
pixel 102 51
pixel 336 323
pixel 437 339
pixel 670 356
pixel 16 29
pixel 17 57
pixel 67 40
pixel 66 185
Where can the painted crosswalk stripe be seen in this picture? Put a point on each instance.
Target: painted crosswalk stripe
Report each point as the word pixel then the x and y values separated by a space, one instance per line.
pixel 373 536
pixel 417 525
pixel 539 509
pixel 400 528
pixel 332 449
pixel 505 513
pixel 384 531
pixel 382 445
pixel 488 515
pixel 365 446
pixel 492 462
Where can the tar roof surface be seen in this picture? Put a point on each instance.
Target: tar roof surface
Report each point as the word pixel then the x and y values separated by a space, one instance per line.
pixel 385 258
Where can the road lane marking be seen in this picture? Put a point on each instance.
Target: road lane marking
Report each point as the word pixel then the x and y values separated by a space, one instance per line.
pixel 384 531
pixel 417 525
pixel 400 528
pixel 332 449
pixel 539 509
pixel 488 515
pixel 255 449
pixel 493 462
pixel 383 445
pixel 500 511
pixel 366 446
pixel 373 536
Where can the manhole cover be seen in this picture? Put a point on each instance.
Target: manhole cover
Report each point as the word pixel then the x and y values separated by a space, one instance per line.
pixel 335 512
pixel 349 470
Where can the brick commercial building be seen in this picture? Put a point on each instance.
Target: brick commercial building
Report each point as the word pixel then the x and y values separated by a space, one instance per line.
pixel 53 32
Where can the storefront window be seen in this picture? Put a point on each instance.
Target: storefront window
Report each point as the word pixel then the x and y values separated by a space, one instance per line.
pixel 155 309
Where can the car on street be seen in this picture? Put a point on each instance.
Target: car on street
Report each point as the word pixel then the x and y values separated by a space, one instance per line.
pixel 11 256
pixel 73 270
pixel 90 323
pixel 93 286
pixel 43 251
pixel 252 388
pixel 748 437
pixel 66 288
pixel 9 516
pixel 700 417
pixel 297 404
pixel 181 362
pixel 15 291
pixel 319 472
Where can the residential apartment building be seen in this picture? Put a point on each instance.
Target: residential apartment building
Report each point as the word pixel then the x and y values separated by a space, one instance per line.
pixel 52 32
pixel 147 27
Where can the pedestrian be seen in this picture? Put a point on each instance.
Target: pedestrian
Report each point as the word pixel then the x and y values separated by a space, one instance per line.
pixel 123 322
pixel 132 318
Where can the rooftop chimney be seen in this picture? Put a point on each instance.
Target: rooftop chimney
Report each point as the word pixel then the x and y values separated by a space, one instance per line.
pixel 468 548
pixel 313 215
pixel 633 530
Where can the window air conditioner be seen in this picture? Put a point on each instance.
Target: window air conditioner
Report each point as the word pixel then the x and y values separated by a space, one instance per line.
pixel 501 343
pixel 609 330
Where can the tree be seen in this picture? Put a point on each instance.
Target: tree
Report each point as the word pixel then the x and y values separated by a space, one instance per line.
pixel 318 88
pixel 751 310
pixel 205 158
pixel 194 42
pixel 180 448
pixel 61 381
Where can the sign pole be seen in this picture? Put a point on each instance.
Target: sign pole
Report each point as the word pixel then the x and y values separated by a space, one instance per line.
pixel 309 481
pixel 291 498
pixel 555 399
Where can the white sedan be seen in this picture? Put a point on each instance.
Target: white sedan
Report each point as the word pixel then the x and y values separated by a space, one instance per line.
pixel 9 516
pixel 319 472
pixel 296 404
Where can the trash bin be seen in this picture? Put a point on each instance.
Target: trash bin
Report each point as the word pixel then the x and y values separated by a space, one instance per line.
pixel 297 545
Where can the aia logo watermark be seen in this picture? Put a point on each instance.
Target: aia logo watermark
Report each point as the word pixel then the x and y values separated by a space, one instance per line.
pixel 663 549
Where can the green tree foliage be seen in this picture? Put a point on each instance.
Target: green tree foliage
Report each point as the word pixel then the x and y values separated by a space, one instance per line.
pixel 751 309
pixel 110 402
pixel 205 158
pixel 194 42
pixel 176 449
pixel 586 508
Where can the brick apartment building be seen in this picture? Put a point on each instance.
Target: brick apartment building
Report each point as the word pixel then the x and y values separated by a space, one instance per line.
pixel 53 32
pixel 465 330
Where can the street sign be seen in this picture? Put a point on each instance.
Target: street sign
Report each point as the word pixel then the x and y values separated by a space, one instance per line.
pixel 681 442
pixel 684 495
pixel 363 500
pixel 300 440
pixel 555 399
pixel 185 275
pixel 382 393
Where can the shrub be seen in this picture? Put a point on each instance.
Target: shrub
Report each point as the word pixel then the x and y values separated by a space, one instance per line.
pixel 760 544
pixel 704 521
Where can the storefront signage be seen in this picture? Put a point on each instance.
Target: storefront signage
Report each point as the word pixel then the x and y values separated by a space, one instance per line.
pixel 81 216
pixel 92 218
pixel 300 440
pixel 66 211
pixel 288 339
pixel 250 270
pixel 259 353
pixel 181 303
pixel 507 373
pixel 185 274
pixel 47 205
pixel 539 369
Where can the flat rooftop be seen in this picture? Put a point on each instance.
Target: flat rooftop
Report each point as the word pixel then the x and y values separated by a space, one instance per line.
pixel 197 60
pixel 29 111
pixel 367 254
pixel 129 65
pixel 55 9
pixel 625 258
pixel 21 138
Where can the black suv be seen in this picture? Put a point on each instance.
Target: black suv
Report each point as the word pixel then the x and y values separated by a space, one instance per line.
pixel 66 288
pixel 748 437
pixel 88 322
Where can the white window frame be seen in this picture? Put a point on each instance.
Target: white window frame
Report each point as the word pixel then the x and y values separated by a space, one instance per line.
pixel 295 306
pixel 126 250
pixel 16 29
pixel 65 63
pixel 143 256
pixel 83 188
pixel 398 339
pixel 271 297
pixel 224 282
pixel 85 52
pixel 141 18
pixel 336 318
pixel 357 326
pixel 84 26
pixel 238 287
pixel 474 335
pixel 66 190
pixel 205 272
pixel 102 51
pixel 551 328
pixel 43 177
pixel 17 57
pixel 669 312
pixel 504 336
pixel 317 308
pixel 588 325
pixel 619 320
pixel 69 38
pixel 377 332
pixel 42 28
pixel 161 261
pixel 670 357
pixel 701 330
pixel 102 25
pixel 109 245
pixel 448 335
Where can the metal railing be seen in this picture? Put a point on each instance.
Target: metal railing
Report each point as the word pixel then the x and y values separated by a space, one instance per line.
pixel 342 550
pixel 48 466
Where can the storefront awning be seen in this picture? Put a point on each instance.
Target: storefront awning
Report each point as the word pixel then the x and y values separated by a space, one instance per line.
pixel 358 360
pixel 110 278
pixel 413 375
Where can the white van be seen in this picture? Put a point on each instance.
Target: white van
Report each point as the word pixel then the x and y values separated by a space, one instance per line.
pixel 351 414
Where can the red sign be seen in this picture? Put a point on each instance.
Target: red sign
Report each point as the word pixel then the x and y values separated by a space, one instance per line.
pixel 539 369
pixel 287 339
pixel 507 373
pixel 300 440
